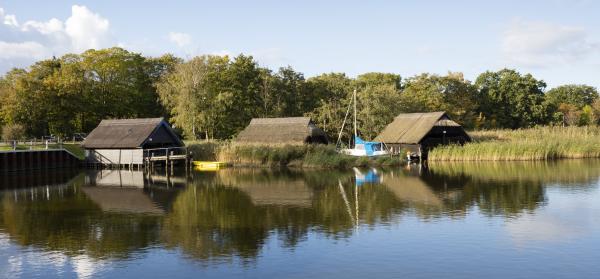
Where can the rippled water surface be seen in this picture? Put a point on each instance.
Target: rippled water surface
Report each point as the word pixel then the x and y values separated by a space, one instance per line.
pixel 509 220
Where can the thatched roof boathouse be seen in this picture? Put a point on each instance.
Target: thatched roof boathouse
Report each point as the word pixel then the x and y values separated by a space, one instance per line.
pixel 127 141
pixel 419 132
pixel 288 130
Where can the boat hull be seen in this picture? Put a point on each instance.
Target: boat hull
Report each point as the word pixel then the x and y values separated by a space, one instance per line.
pixel 363 153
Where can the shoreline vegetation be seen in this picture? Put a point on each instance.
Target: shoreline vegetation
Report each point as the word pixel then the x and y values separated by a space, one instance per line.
pixel 284 155
pixel 545 143
pixel 533 144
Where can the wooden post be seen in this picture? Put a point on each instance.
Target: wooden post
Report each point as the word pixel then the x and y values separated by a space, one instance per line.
pixel 171 163
pixel 167 160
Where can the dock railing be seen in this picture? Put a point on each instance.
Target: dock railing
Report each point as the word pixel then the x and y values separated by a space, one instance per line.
pixel 166 155
pixel 165 152
pixel 31 144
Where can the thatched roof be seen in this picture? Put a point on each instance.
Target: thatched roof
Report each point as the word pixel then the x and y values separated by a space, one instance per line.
pixel 118 199
pixel 120 191
pixel 411 189
pixel 411 128
pixel 281 130
pixel 262 190
pixel 131 133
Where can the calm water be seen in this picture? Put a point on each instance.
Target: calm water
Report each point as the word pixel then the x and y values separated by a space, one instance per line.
pixel 514 220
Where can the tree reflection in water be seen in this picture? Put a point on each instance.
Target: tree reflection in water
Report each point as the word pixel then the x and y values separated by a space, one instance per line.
pixel 62 218
pixel 234 212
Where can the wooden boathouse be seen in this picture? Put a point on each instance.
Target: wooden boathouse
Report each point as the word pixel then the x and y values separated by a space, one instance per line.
pixel 417 133
pixel 132 143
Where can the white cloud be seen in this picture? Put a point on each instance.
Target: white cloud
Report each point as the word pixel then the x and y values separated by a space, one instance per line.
pixel 540 44
pixel 52 26
pixel 22 50
pixel 86 29
pixel 22 44
pixel 180 39
pixel 11 20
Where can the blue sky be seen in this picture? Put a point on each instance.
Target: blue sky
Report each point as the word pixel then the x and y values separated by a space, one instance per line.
pixel 555 40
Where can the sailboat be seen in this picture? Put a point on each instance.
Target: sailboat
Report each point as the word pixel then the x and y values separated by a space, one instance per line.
pixel 361 147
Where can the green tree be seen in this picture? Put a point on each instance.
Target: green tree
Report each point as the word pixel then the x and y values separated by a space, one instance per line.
pixel 213 96
pixel 285 94
pixel 569 102
pixel 119 85
pixel 576 95
pixel 9 88
pixel 376 78
pixel 587 116
pixel 376 108
pixel 511 100
pixel 377 98
pixel 332 92
pixel 451 93
pixel 74 92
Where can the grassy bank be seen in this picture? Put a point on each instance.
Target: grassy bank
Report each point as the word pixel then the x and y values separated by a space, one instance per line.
pixel 540 143
pixel 304 156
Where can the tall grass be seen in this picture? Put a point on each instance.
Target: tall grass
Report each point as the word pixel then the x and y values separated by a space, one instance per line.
pixel 283 155
pixel 204 150
pixel 540 143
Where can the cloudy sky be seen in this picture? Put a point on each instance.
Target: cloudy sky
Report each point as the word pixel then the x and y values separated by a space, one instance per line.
pixel 555 40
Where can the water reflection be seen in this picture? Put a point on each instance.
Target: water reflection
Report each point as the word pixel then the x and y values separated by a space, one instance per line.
pixel 233 213
pixel 72 218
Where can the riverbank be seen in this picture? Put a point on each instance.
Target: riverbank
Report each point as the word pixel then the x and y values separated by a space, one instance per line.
pixel 300 156
pixel 540 143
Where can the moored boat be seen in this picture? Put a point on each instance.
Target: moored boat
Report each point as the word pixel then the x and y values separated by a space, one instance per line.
pixel 361 147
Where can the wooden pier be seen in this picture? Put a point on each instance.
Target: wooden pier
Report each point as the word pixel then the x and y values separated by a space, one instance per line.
pixel 149 159
pixel 167 156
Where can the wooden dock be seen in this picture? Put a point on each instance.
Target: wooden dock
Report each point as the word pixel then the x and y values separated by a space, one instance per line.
pixel 148 159
pixel 166 157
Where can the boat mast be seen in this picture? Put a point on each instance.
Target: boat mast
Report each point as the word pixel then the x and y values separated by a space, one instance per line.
pixel 355 133
pixel 343 125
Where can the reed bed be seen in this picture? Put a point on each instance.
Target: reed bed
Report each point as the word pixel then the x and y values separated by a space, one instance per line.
pixel 540 143
pixel 283 155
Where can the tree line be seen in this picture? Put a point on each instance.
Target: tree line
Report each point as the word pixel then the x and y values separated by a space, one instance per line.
pixel 213 96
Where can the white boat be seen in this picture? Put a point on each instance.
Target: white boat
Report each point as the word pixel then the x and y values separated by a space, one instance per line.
pixel 365 148
pixel 361 148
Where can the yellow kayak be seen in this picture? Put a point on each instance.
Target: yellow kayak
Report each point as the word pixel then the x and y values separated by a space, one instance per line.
pixel 208 165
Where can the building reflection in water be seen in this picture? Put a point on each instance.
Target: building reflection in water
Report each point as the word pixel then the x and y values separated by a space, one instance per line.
pixel 234 212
